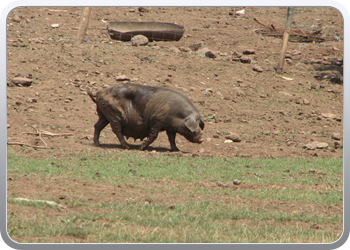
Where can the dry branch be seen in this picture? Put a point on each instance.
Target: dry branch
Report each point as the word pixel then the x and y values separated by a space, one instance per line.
pixel 298 35
pixel 27 145
pixel 39 133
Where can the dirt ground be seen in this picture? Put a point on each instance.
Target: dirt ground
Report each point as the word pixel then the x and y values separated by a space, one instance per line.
pixel 294 114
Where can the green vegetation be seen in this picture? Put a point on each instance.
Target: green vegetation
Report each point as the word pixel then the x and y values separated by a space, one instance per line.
pixel 138 196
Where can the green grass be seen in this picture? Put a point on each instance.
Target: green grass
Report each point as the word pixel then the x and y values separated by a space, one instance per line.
pixel 286 205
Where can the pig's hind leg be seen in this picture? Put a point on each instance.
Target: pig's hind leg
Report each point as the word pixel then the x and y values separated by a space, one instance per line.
pixel 100 124
pixel 117 129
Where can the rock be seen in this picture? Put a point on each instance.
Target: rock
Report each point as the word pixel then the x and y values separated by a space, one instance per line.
pixel 31 100
pixel 236 182
pixel 336 136
pixel 338 144
pixel 257 68
pixel 122 78
pixel 8 125
pixel 16 19
pixel 139 40
pixel 210 54
pixel 22 81
pixel 209 92
pixel 245 59
pixel 143 9
pixel 195 46
pixel 316 145
pixel 331 116
pixel 220 184
pixel 306 101
pixel 310 146
pixel 322 145
pixel 233 137
pixel 248 52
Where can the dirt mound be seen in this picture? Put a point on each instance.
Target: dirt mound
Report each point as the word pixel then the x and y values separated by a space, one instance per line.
pixel 225 63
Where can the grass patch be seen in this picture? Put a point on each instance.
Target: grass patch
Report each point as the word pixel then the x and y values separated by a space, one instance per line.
pixel 185 203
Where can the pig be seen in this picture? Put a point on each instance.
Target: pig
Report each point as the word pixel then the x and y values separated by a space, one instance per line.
pixel 140 111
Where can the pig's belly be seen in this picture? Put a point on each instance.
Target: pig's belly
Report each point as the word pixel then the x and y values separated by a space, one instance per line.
pixel 136 131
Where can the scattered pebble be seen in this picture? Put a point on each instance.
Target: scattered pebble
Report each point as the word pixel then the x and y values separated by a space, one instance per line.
pixel 245 59
pixel 210 54
pixel 316 145
pixel 331 116
pixel 22 81
pixel 122 78
pixel 233 137
pixel 258 68
pixel 236 182
pixel 139 40
pixel 220 184
pixel 336 136
pixel 248 52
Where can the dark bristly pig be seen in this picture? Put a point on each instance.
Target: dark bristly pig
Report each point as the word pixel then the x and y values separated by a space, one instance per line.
pixel 140 111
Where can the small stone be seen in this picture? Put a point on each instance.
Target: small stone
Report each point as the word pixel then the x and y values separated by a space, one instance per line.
pixel 139 40
pixel 236 182
pixel 336 136
pixel 210 54
pixel 338 144
pixel 220 184
pixel 245 59
pixel 55 25
pixel 143 9
pixel 257 68
pixel 248 52
pixel 306 101
pixel 16 19
pixel 122 78
pixel 322 145
pixel 208 91
pixel 233 137
pixel 331 116
pixel 196 46
pixel 310 146
pixel 8 125
pixel 31 100
pixel 316 145
pixel 22 81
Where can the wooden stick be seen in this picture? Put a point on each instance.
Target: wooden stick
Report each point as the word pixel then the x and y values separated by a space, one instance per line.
pixel 290 13
pixel 263 24
pixel 85 16
pixel 27 145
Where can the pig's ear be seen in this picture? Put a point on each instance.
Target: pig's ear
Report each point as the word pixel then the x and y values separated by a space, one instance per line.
pixel 201 123
pixel 191 123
